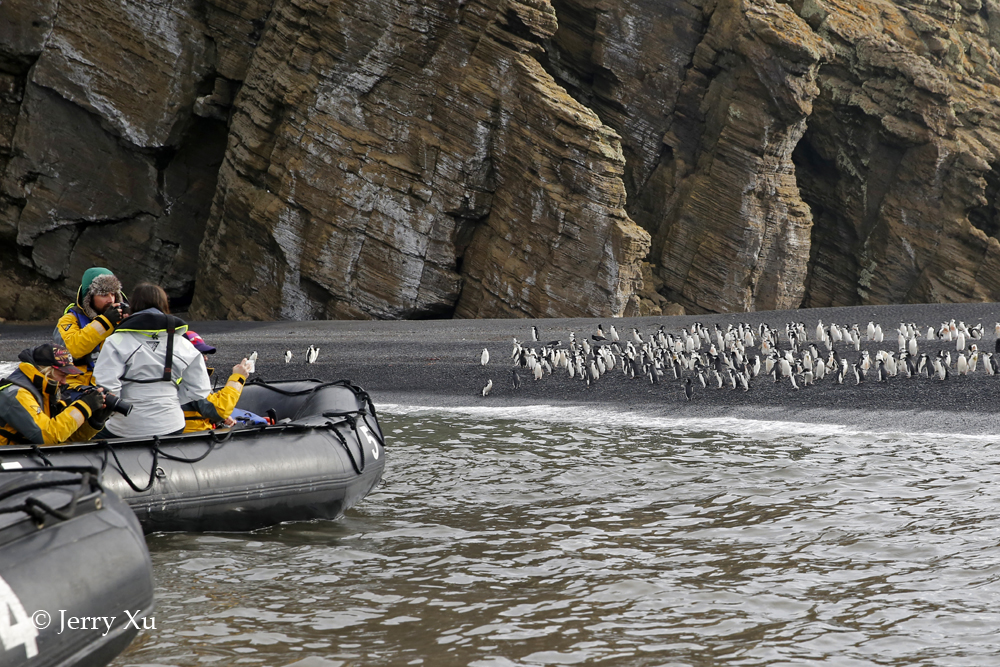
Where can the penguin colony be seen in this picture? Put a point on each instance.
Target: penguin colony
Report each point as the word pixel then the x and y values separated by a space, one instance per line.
pixel 740 356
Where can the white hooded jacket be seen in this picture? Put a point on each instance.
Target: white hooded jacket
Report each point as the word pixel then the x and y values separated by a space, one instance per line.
pixel 131 365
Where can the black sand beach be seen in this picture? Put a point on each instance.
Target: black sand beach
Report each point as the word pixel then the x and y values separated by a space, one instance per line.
pixel 437 363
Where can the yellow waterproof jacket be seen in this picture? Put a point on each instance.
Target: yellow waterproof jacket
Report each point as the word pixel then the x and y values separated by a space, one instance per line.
pixel 220 405
pixel 31 412
pixel 83 338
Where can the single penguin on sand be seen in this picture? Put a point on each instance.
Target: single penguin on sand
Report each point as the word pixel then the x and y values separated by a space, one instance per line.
pixel 488 388
pixel 312 354
pixel 288 356
pixel 515 379
pixel 688 389
pixel 484 358
pixel 883 376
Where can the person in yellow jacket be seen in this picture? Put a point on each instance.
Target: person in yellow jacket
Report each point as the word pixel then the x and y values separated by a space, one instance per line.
pixel 85 324
pixel 216 408
pixel 31 412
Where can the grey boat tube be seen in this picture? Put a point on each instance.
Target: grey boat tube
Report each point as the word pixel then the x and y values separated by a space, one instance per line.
pixel 324 453
pixel 69 550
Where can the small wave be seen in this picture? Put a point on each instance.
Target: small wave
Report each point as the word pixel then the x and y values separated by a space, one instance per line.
pixel 610 417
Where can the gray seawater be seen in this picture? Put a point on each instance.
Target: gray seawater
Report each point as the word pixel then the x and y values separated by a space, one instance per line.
pixel 552 536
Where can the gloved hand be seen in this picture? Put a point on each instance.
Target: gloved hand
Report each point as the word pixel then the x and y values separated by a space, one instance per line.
pixel 114 314
pixel 90 403
pixel 100 416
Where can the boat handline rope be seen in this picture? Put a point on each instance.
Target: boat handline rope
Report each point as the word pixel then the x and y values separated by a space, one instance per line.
pixel 121 469
pixel 343 441
pixel 37 509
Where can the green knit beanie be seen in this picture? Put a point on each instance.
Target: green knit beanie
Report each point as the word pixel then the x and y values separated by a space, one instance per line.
pixel 88 277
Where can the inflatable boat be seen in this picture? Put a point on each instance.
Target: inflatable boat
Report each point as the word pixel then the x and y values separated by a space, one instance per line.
pixel 76 583
pixel 321 453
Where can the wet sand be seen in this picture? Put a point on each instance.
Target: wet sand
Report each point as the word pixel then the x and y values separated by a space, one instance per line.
pixel 436 363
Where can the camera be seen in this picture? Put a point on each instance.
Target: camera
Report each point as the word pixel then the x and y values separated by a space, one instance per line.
pixel 117 404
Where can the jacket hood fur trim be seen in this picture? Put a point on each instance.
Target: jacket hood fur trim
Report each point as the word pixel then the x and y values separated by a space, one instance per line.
pixel 103 284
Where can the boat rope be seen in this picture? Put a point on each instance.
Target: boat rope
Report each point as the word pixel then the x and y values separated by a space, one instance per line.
pixel 37 451
pixel 181 459
pixel 121 469
pixel 360 394
pixel 343 441
pixel 89 481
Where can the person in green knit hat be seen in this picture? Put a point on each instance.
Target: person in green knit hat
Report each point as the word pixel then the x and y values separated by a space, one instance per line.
pixel 85 324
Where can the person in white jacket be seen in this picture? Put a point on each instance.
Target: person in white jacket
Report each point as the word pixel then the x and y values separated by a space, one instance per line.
pixel 149 363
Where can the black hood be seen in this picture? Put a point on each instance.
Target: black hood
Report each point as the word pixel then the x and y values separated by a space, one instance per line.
pixel 151 319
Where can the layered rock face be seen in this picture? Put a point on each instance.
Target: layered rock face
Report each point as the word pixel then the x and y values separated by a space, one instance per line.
pixel 103 162
pixel 899 163
pixel 488 158
pixel 412 159
pixel 815 153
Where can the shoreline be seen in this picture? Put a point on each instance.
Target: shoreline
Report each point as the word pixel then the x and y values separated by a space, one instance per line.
pixel 435 363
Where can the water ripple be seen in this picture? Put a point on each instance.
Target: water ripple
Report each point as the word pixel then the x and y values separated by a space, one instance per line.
pixel 500 542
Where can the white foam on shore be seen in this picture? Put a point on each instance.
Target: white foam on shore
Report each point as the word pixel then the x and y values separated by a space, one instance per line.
pixel 609 417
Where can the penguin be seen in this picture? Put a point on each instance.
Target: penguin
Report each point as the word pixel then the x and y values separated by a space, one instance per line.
pixel 592 374
pixel 859 374
pixel 312 355
pixel 488 388
pixel 701 379
pixel 288 356
pixel 883 376
pixel 688 389
pixel 962 366
pixel 922 365
pixel 484 358
pixel 537 371
pixel 613 334
pixel 534 333
pixel 515 379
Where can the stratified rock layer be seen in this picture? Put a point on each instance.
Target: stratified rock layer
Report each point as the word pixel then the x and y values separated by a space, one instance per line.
pixel 413 159
pixel 817 153
pixel 899 163
pixel 103 160
pixel 487 158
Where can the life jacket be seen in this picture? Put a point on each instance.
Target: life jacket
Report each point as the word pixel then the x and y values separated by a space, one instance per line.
pixel 82 321
pixel 36 386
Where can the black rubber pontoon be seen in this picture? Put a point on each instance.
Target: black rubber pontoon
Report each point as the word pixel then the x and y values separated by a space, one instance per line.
pixel 325 453
pixel 68 550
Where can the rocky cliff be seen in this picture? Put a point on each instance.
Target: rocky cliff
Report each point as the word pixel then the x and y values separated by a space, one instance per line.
pixel 487 158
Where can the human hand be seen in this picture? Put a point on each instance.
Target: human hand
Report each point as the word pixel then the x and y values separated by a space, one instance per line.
pixel 93 399
pixel 242 368
pixel 114 313
pixel 229 421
